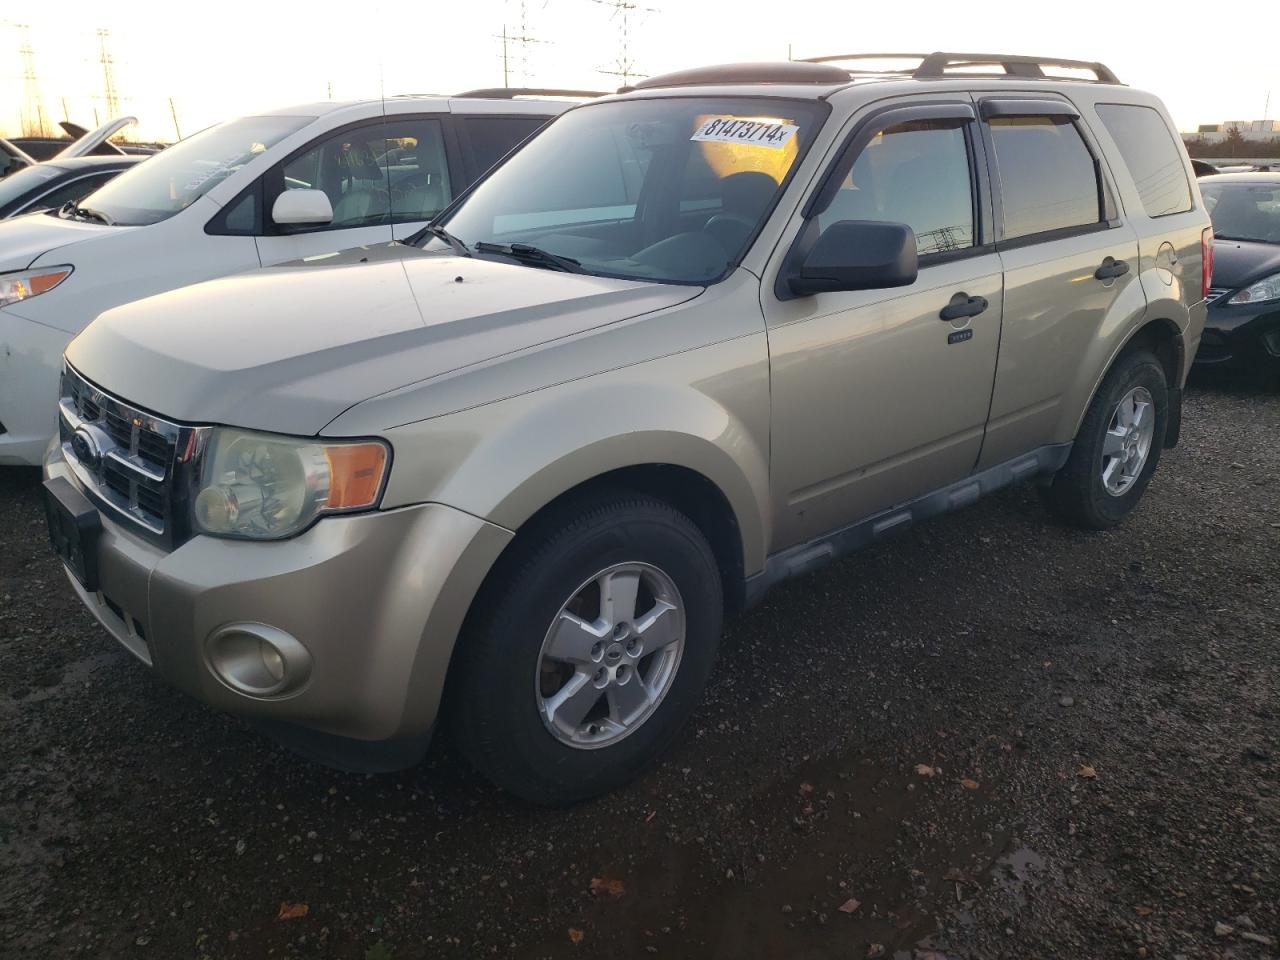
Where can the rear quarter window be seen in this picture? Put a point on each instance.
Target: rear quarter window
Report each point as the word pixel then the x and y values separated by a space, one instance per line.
pixel 1152 155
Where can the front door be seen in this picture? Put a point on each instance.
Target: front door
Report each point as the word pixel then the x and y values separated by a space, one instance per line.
pixel 384 179
pixel 876 398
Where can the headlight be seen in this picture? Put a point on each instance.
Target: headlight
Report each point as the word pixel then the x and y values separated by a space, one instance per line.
pixel 266 487
pixel 1260 292
pixel 26 284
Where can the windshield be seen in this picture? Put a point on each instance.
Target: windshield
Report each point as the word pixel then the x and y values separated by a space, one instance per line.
pixel 671 189
pixel 179 176
pixel 1244 211
pixel 24 181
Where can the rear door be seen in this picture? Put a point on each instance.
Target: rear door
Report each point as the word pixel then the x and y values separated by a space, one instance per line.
pixel 1156 190
pixel 876 398
pixel 1070 267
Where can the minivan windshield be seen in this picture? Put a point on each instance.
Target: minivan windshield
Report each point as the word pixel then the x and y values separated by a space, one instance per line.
pixel 177 177
pixel 1244 211
pixel 671 189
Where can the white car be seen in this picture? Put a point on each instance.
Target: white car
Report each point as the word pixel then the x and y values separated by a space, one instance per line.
pixel 250 192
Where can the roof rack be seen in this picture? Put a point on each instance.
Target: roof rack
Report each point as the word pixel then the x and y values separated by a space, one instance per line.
pixel 510 93
pixel 940 64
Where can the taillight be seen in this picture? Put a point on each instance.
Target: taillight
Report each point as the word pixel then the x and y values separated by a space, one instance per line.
pixel 1206 261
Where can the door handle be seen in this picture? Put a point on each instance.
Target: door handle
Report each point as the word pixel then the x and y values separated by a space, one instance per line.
pixel 1111 268
pixel 962 305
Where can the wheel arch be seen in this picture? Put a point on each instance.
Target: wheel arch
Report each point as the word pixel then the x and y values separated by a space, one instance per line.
pixel 1163 337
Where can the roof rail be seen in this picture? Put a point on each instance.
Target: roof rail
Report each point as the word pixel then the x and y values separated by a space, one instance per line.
pixel 938 65
pixel 510 93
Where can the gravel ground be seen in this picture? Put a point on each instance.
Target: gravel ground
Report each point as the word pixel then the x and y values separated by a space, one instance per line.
pixel 992 737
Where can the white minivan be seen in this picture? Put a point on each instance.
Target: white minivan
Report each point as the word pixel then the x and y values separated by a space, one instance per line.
pixel 250 192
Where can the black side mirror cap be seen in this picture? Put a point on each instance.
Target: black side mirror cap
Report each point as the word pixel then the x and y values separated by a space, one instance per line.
pixel 858 255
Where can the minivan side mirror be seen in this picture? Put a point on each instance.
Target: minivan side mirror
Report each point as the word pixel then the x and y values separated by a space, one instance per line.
pixel 858 255
pixel 299 207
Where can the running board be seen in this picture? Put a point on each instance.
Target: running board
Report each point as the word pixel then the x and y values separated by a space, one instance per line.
pixel 805 557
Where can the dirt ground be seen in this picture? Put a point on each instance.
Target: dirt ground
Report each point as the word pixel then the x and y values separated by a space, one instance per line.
pixel 991 737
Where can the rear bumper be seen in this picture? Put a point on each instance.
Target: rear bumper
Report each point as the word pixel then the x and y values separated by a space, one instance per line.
pixel 1240 333
pixel 374 603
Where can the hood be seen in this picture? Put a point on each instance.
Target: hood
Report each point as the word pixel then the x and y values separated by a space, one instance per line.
pixel 24 239
pixel 1238 263
pixel 289 348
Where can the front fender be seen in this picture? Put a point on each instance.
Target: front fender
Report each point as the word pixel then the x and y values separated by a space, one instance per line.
pixel 705 410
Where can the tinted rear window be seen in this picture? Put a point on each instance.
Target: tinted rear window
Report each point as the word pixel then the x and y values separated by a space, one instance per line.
pixel 1047 176
pixel 492 138
pixel 1152 156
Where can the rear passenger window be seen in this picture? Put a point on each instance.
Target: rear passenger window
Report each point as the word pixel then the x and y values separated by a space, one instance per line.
pixel 492 138
pixel 1152 156
pixel 915 173
pixel 1048 180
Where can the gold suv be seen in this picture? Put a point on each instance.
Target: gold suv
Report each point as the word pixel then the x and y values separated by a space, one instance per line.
pixel 686 342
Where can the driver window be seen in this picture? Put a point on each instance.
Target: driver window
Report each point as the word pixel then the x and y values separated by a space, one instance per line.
pixel 393 172
pixel 915 173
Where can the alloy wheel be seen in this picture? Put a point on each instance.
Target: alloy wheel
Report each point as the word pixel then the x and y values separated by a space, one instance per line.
pixel 610 655
pixel 1128 440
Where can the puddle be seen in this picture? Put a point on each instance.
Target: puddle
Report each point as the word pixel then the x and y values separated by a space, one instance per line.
pixel 908 851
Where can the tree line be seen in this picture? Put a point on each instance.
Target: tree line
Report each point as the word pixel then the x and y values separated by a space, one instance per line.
pixel 1235 144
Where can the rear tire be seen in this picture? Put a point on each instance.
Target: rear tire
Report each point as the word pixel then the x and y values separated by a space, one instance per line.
pixel 633 592
pixel 1112 460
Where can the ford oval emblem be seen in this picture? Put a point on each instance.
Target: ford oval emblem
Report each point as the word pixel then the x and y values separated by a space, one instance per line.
pixel 86 449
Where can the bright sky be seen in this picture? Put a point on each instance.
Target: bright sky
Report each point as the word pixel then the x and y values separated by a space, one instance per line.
pixel 234 57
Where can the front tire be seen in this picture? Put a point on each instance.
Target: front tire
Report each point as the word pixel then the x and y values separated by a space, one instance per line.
pixel 588 649
pixel 1117 448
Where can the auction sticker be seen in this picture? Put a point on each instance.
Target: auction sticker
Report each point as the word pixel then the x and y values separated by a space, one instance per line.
pixel 757 132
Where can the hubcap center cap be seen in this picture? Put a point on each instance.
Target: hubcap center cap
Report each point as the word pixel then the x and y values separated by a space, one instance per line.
pixel 614 653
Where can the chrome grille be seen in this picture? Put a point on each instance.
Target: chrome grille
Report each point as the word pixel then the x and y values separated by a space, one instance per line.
pixel 1216 293
pixel 137 465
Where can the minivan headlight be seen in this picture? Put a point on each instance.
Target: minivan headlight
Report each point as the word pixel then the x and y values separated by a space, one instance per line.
pixel 1265 289
pixel 25 284
pixel 265 487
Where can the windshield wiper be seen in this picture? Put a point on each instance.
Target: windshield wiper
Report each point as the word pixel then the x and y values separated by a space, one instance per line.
pixel 528 253
pixel 459 247
pixel 84 213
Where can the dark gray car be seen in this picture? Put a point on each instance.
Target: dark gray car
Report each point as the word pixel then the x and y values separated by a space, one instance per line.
pixel 47 186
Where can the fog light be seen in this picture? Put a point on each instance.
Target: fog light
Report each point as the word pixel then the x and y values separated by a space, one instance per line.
pixel 258 660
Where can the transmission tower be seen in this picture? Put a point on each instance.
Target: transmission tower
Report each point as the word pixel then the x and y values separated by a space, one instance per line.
pixel 523 39
pixel 623 10
pixel 108 75
pixel 33 123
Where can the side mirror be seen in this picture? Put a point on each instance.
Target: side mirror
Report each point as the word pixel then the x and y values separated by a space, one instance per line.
pixel 858 255
pixel 299 207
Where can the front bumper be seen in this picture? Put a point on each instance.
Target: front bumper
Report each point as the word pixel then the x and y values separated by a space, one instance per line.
pixel 376 600
pixel 1245 332
pixel 30 359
